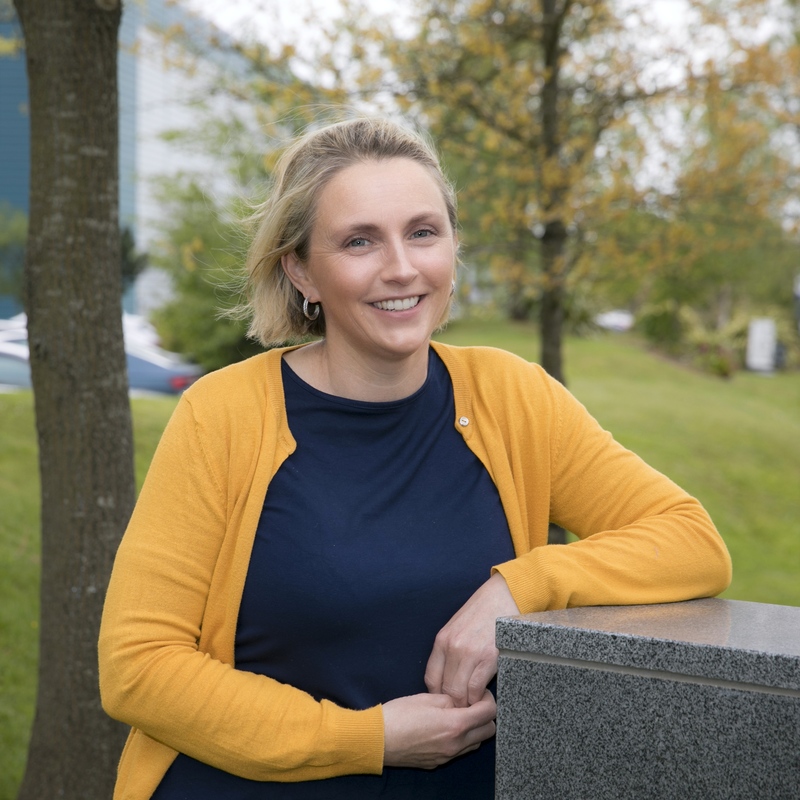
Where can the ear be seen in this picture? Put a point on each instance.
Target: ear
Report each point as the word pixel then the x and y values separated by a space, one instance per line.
pixel 297 273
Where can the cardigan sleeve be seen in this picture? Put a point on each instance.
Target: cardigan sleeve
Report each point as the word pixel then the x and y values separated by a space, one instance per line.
pixel 642 539
pixel 153 673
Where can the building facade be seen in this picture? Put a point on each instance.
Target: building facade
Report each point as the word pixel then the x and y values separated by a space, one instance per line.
pixel 157 94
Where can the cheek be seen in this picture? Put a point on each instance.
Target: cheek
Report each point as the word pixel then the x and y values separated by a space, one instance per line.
pixel 348 285
pixel 442 263
pixel 440 253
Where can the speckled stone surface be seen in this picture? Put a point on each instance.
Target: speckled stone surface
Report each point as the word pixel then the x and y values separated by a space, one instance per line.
pixel 724 639
pixel 687 700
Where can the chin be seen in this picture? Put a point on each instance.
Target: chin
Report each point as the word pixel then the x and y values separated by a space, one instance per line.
pixel 406 349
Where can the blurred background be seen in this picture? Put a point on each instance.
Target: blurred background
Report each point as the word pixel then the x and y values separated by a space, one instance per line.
pixel 639 158
pixel 628 176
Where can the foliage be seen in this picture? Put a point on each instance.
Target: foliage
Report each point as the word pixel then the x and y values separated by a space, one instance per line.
pixel 517 97
pixel 202 250
pixel 132 262
pixel 599 160
pixel 204 230
pixel 718 348
pixel 549 116
pixel 13 234
pixel 717 243
pixel 526 101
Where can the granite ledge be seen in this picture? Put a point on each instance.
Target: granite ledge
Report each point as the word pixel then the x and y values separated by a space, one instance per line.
pixel 752 643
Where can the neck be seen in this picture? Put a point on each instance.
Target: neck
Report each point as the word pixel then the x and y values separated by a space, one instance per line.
pixel 339 373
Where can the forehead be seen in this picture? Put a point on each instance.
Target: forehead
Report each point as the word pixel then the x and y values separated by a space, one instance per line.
pixel 380 188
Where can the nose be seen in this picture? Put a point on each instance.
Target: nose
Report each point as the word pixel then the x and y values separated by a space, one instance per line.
pixel 398 265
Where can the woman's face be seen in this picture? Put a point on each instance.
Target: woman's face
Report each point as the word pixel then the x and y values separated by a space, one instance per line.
pixel 381 259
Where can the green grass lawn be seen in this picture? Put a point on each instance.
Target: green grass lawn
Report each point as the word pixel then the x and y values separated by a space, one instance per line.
pixel 734 444
pixel 19 564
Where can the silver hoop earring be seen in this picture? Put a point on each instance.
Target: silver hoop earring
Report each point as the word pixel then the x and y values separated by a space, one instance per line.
pixel 310 317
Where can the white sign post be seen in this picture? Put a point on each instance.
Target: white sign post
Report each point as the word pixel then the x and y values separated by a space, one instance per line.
pixel 761 342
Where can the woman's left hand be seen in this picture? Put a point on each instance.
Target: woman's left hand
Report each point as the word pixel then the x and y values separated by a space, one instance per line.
pixel 464 657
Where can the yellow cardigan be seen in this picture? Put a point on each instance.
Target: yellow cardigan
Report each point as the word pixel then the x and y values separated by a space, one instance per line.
pixel 167 636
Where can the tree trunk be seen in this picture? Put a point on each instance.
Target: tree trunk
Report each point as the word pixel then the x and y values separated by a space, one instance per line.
pixel 551 320
pixel 519 306
pixel 554 239
pixel 520 301
pixel 73 302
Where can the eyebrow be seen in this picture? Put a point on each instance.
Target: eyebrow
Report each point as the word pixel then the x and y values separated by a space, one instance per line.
pixel 371 227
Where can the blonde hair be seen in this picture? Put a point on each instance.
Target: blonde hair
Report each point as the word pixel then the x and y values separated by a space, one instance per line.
pixel 285 220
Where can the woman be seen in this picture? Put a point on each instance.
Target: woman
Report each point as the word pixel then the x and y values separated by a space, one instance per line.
pixel 304 603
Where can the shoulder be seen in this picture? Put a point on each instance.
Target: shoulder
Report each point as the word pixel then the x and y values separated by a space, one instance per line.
pixel 238 384
pixel 509 388
pixel 240 396
pixel 242 373
pixel 491 366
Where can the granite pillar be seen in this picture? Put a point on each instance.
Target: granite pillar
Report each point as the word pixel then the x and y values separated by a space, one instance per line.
pixel 685 700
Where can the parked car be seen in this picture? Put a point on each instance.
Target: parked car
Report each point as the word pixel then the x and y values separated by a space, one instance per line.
pixel 150 369
pixel 14 367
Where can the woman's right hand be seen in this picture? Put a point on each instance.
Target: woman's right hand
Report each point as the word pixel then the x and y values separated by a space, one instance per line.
pixel 427 730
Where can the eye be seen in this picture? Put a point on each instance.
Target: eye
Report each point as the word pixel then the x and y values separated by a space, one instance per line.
pixel 358 241
pixel 424 233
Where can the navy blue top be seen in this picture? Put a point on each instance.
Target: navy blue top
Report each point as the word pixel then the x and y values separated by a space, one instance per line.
pixel 374 532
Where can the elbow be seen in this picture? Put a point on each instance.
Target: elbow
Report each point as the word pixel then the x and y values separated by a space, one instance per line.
pixel 703 567
pixel 112 692
pixel 717 567
pixel 112 704
pixel 121 670
pixel 123 689
pixel 722 574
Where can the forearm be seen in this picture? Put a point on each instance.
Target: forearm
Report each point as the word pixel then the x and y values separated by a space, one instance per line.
pixel 642 539
pixel 154 677
pixel 244 723
pixel 166 644
pixel 671 556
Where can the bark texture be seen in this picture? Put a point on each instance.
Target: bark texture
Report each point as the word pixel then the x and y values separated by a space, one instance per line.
pixel 554 189
pixel 73 302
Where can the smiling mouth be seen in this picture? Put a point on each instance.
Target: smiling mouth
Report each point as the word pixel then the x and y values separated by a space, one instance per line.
pixel 397 305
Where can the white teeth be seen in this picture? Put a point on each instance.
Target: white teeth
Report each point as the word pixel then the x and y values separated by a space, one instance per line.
pixel 397 305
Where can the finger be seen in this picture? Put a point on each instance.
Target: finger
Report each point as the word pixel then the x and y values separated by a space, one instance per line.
pixel 434 671
pixel 484 710
pixel 439 700
pixel 482 725
pixel 478 735
pixel 479 714
pixel 481 676
pixel 457 665
pixel 467 674
pixel 457 674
